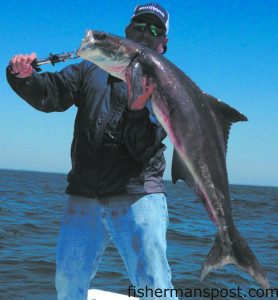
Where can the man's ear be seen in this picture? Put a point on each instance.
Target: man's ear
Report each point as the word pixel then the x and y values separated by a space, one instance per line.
pixel 165 41
pixel 163 45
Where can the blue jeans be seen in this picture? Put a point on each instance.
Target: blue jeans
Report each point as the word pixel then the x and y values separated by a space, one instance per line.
pixel 136 226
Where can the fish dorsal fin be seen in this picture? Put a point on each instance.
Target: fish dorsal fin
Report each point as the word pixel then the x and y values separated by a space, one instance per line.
pixel 226 115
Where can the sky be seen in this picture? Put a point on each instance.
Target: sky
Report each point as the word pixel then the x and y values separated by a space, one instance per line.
pixel 228 47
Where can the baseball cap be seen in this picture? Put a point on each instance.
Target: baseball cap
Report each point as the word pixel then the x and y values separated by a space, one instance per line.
pixel 155 9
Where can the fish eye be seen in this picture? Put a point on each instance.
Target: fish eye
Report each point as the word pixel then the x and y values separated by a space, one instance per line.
pixel 100 35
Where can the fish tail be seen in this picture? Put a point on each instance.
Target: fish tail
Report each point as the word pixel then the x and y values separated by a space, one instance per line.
pixel 235 251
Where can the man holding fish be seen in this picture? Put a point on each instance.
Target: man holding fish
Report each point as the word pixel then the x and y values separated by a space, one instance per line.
pixel 115 187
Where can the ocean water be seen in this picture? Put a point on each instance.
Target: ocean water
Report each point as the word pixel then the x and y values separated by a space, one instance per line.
pixel 31 207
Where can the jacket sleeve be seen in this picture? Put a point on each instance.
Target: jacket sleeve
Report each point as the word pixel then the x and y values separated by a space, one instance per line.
pixel 48 92
pixel 142 137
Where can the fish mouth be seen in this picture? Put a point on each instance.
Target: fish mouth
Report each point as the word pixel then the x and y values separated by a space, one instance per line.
pixel 87 42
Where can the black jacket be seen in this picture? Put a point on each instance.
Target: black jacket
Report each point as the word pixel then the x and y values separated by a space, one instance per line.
pixel 114 150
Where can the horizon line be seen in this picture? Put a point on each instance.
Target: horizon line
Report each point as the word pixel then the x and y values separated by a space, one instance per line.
pixel 61 173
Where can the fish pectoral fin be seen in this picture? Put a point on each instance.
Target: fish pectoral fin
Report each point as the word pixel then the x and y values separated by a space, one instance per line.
pixel 236 252
pixel 134 79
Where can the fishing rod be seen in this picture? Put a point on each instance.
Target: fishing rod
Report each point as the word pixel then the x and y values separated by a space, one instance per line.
pixel 53 59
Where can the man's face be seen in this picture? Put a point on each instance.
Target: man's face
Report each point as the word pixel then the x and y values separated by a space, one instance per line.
pixel 152 35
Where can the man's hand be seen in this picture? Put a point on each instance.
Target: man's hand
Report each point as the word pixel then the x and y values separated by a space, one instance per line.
pixel 141 101
pixel 21 65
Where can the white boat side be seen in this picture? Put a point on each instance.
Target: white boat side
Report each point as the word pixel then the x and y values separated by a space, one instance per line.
pixel 94 294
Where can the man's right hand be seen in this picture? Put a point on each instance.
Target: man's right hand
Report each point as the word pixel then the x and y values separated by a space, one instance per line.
pixel 21 65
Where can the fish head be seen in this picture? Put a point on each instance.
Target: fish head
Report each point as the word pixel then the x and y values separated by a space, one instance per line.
pixel 111 53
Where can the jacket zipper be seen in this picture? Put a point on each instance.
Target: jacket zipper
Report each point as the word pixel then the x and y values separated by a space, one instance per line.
pixel 103 127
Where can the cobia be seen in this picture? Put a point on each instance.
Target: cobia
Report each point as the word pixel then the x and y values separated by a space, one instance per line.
pixel 198 126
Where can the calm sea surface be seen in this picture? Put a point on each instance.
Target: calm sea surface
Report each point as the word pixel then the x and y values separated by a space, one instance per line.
pixel 31 207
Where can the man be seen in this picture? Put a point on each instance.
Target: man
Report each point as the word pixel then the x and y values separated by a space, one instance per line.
pixel 115 186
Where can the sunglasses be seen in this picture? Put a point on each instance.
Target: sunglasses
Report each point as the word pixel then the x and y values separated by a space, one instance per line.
pixel 153 29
